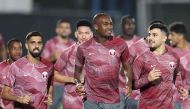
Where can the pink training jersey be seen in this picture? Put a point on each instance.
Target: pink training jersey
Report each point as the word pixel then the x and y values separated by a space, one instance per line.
pixel 4 67
pixel 184 57
pixel 136 49
pixel 27 78
pixel 159 93
pixel 66 65
pixel 54 45
pixel 122 78
pixel 102 66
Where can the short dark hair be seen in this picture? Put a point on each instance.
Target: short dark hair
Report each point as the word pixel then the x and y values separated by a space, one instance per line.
pixel 60 21
pixel 11 41
pixel 98 15
pixel 160 26
pixel 156 21
pixel 33 33
pixel 127 17
pixel 84 22
pixel 178 27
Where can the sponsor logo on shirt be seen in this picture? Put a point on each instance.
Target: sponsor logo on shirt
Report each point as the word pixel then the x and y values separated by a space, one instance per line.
pixel 45 75
pixel 112 52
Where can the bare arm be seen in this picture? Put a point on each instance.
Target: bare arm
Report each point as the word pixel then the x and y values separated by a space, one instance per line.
pixel 128 75
pixel 62 79
pixel 6 94
pixel 78 73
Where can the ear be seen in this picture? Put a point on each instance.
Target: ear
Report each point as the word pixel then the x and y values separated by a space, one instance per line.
pixel 57 30
pixel 91 34
pixel 165 38
pixel 26 45
pixel 95 27
pixel 76 34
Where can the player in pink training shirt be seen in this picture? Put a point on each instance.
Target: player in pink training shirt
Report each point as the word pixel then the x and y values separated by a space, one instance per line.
pixel 154 72
pixel 14 47
pixel 55 46
pixel 128 29
pixel 66 65
pixel 53 49
pixel 101 57
pixel 3 53
pixel 181 47
pixel 29 77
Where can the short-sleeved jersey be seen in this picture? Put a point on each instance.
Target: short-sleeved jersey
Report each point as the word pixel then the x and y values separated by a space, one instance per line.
pixel 66 65
pixel 54 45
pixel 102 66
pixel 25 77
pixel 4 68
pixel 122 78
pixel 159 93
pixel 184 57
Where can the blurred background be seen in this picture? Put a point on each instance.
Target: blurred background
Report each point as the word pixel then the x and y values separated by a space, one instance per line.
pixel 18 17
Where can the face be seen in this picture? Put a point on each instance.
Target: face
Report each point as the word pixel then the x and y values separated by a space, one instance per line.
pixel 129 27
pixel 83 34
pixel 104 26
pixel 15 51
pixel 34 46
pixel 174 38
pixel 63 30
pixel 156 38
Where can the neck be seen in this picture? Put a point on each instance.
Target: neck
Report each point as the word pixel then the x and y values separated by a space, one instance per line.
pixel 160 50
pixel 63 39
pixel 32 59
pixel 183 44
pixel 101 39
pixel 128 37
pixel 10 61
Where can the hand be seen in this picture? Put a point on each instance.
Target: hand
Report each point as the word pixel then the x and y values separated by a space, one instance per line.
pixel 57 54
pixel 24 99
pixel 154 74
pixel 80 89
pixel 184 93
pixel 128 90
pixel 49 100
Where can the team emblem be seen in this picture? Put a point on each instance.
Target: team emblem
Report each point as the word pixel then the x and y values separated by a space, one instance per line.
pixel 172 65
pixel 45 75
pixel 112 52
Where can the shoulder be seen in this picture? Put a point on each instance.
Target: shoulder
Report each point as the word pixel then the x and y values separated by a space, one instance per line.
pixel 3 64
pixel 86 44
pixel 20 62
pixel 117 42
pixel 66 52
pixel 51 41
pixel 46 62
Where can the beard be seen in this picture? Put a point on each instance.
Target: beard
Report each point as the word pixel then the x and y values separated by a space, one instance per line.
pixel 35 54
pixel 152 48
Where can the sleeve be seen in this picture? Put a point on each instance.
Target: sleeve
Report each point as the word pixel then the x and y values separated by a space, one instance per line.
pixel 47 50
pixel 11 76
pixel 79 61
pixel 139 79
pixel 51 78
pixel 180 77
pixel 125 54
pixel 60 63
pixel 132 54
